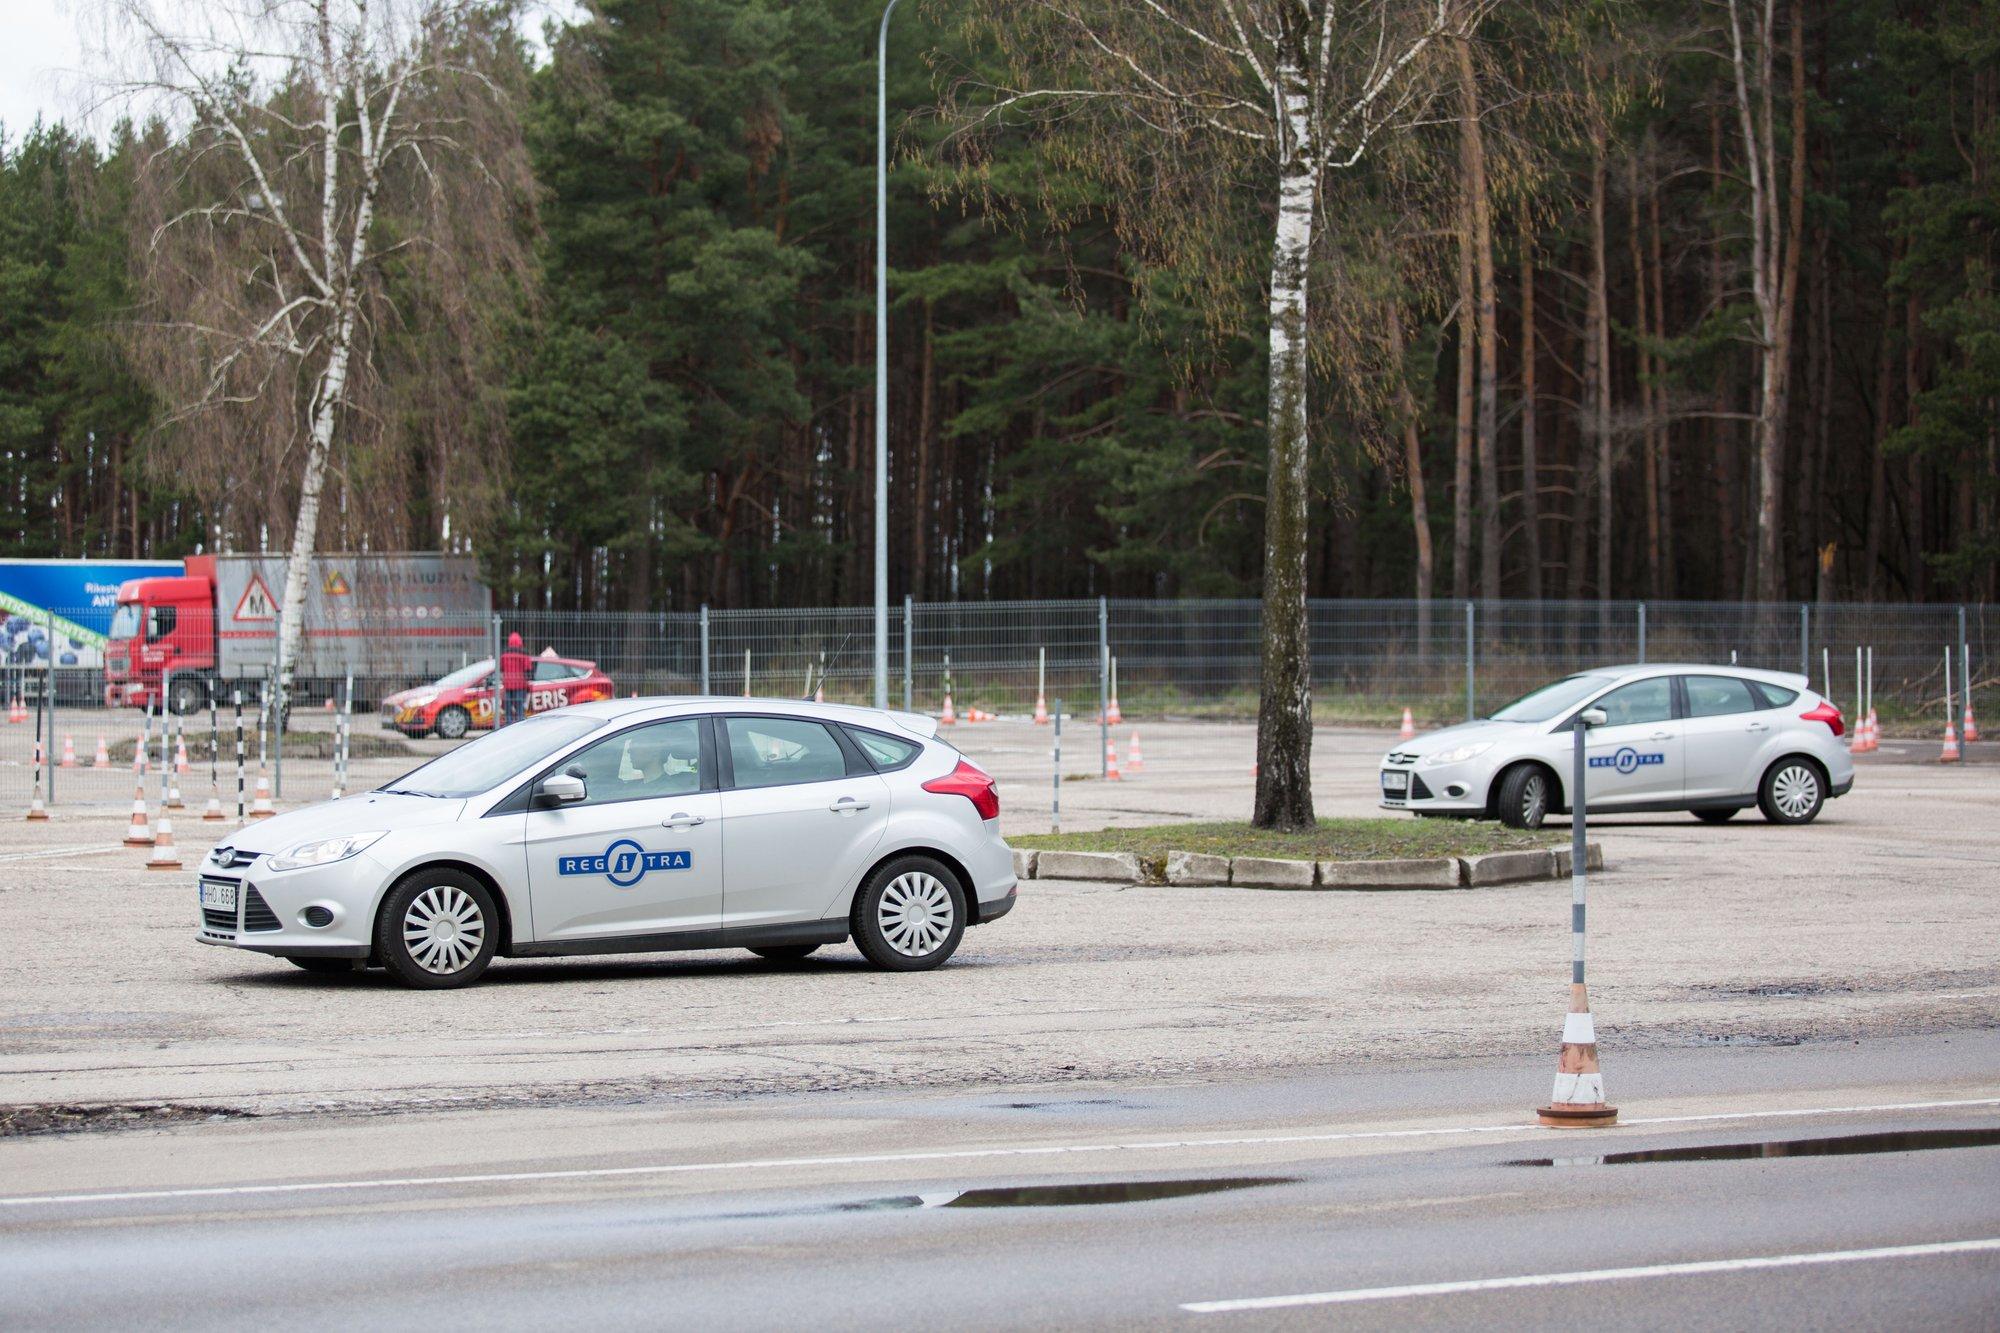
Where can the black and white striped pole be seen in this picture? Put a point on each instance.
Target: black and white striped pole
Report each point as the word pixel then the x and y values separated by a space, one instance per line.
pixel 1578 1099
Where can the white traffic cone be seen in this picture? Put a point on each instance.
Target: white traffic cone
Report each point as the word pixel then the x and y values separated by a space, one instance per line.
pixel 1409 726
pixel 1133 759
pixel 103 759
pixel 69 751
pixel 164 856
pixel 260 808
pixel 1578 1099
pixel 139 830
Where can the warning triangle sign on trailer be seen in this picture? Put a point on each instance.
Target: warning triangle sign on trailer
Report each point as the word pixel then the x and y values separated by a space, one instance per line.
pixel 256 603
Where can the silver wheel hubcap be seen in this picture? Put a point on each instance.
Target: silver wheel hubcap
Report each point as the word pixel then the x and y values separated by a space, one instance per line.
pixel 1534 797
pixel 1794 790
pixel 915 914
pixel 444 929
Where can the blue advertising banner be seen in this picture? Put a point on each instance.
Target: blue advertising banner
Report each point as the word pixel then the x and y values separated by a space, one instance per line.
pixel 76 595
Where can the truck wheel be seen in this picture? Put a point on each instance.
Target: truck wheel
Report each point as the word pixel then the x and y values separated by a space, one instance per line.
pixel 187 695
pixel 453 723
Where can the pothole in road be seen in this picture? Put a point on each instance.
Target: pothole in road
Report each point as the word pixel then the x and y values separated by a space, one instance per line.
pixel 59 1118
pixel 1845 1145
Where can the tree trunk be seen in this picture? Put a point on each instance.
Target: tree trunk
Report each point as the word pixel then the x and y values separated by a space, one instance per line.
pixel 1648 418
pixel 1479 214
pixel 1463 434
pixel 1284 705
pixel 1531 479
pixel 305 528
pixel 1665 427
pixel 1413 463
pixel 1599 332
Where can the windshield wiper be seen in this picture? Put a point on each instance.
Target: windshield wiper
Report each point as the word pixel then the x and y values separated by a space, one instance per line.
pixel 406 791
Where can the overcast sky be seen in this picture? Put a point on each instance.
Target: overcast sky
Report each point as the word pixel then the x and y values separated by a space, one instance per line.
pixel 41 59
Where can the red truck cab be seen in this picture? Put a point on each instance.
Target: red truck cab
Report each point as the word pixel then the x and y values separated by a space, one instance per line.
pixel 162 625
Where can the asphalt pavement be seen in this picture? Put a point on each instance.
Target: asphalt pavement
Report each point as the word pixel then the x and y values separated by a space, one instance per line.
pixel 1371 1198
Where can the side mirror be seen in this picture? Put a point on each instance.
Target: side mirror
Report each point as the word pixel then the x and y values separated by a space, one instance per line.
pixel 1592 717
pixel 561 789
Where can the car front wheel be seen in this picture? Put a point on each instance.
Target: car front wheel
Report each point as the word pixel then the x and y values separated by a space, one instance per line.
pixel 453 723
pixel 910 915
pixel 1792 792
pixel 1524 797
pixel 437 929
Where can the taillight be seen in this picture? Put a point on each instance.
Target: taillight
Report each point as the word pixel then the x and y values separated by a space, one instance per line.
pixel 1828 714
pixel 973 785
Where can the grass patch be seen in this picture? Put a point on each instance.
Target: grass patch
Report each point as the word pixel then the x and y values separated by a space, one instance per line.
pixel 1330 840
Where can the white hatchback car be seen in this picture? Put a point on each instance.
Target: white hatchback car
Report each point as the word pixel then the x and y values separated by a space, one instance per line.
pixel 632 825
pixel 1707 739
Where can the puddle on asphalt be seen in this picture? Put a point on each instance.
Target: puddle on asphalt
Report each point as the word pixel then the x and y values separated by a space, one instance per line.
pixel 1845 1145
pixel 1062 1196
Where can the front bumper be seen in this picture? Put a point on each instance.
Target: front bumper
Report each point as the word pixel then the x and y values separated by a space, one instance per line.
pixel 1447 789
pixel 271 909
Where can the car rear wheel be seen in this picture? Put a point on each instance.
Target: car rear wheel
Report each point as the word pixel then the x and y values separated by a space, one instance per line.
pixel 1524 796
pixel 910 915
pixel 1716 816
pixel 784 953
pixel 453 722
pixel 1792 792
pixel 437 929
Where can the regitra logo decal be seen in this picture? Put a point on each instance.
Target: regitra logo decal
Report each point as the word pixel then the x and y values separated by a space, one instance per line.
pixel 624 863
pixel 1628 760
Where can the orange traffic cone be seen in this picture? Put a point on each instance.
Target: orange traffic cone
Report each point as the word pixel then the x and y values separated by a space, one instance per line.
pixel 1111 773
pixel 949 717
pixel 212 812
pixel 139 833
pixel 1971 729
pixel 1112 717
pixel 1578 1099
pixel 1949 755
pixel 164 856
pixel 180 755
pixel 103 759
pixel 260 808
pixel 69 751
pixel 1409 726
pixel 17 710
pixel 36 809
pixel 819 694
pixel 1133 759
pixel 1041 710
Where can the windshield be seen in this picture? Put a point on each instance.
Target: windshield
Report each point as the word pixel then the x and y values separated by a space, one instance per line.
pixel 467 675
pixel 124 622
pixel 1552 700
pixel 484 764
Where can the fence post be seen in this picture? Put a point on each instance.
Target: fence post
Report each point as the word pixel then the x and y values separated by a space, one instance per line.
pixel 704 648
pixel 1805 640
pixel 1642 632
pixel 909 641
pixel 1103 687
pixel 497 698
pixel 1470 691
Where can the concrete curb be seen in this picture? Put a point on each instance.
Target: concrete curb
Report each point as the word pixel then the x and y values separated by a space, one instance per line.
pixel 1258 872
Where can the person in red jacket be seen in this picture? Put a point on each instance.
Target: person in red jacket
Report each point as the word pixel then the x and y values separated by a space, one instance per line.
pixel 513 680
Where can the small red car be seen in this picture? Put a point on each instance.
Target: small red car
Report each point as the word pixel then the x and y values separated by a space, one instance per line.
pixel 463 700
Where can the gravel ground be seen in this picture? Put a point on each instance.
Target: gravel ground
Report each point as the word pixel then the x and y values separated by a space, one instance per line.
pixel 1879 919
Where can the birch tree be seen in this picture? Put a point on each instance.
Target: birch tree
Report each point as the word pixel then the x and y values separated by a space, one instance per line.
pixel 325 172
pixel 1204 115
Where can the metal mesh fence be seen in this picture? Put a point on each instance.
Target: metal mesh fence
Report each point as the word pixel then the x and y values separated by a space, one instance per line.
pixel 394 688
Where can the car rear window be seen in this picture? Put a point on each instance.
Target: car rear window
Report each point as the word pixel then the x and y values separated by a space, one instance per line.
pixel 1717 696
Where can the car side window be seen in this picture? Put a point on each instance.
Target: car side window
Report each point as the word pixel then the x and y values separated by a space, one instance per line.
pixel 885 752
pixel 1641 701
pixel 776 751
pixel 1775 696
pixel 658 759
pixel 545 670
pixel 1718 696
pixel 160 622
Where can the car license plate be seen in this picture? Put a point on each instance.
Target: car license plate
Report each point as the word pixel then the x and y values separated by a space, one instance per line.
pixel 219 895
pixel 1398 783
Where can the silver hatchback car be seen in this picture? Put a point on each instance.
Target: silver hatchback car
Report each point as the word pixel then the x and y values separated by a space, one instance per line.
pixel 1711 740
pixel 633 825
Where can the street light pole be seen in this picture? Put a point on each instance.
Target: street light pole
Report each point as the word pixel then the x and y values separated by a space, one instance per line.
pixel 882 359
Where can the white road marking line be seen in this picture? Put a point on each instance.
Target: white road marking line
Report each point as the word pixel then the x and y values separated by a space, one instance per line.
pixel 1695 1269
pixel 80 849
pixel 939 1155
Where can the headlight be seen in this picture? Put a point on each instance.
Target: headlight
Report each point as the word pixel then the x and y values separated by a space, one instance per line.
pixel 323 852
pixel 1458 755
pixel 423 700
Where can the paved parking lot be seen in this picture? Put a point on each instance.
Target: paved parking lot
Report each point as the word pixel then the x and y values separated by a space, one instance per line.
pixel 1877 920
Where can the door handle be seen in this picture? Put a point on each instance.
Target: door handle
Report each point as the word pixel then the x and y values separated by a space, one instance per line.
pixel 1662 736
pixel 682 821
pixel 1758 726
pixel 847 805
